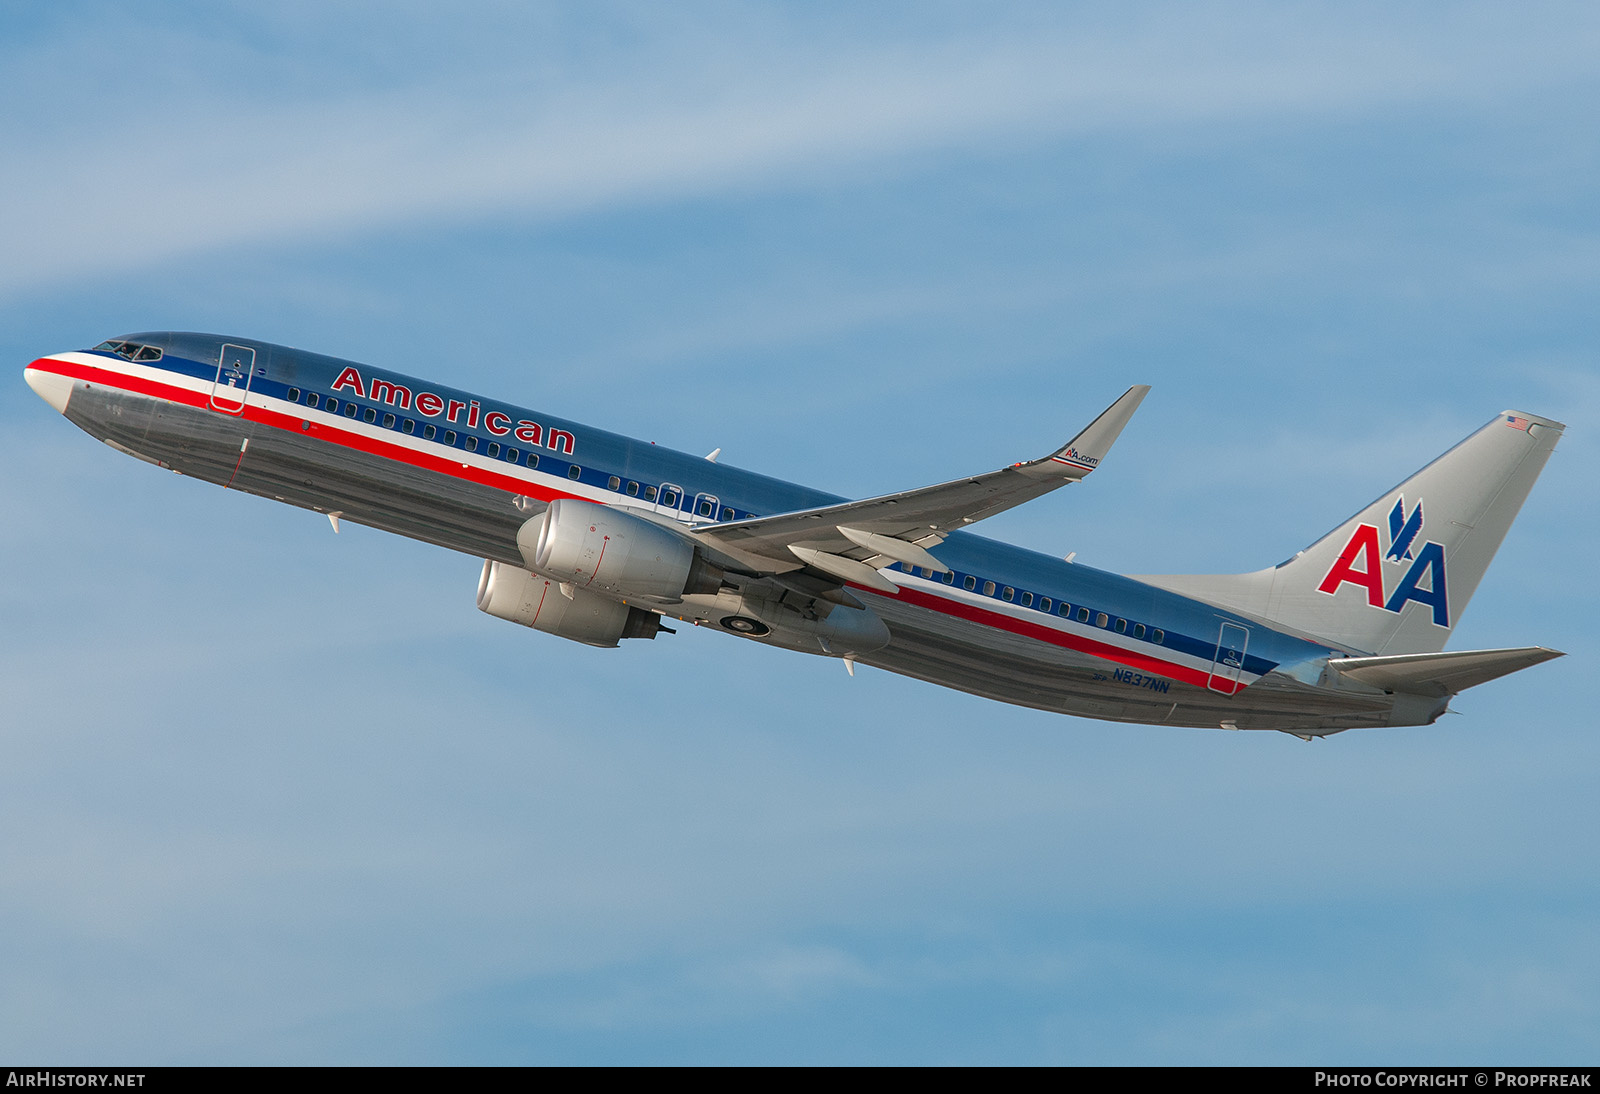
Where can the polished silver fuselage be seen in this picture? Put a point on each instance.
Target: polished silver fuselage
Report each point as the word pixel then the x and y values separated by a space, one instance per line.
pixel 301 463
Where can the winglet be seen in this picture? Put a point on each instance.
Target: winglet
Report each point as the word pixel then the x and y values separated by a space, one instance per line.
pixel 1084 452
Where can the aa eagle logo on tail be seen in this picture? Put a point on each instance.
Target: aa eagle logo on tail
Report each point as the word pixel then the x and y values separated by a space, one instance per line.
pixel 1361 564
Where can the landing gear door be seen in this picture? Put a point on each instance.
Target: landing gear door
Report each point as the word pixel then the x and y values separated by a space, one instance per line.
pixel 236 367
pixel 1228 664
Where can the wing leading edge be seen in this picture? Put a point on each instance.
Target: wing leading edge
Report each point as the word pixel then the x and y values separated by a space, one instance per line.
pixel 850 541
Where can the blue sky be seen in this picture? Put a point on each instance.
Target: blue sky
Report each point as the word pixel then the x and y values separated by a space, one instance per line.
pixel 272 795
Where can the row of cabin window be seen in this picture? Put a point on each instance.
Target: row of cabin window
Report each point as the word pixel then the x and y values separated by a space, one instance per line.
pixel 669 497
pixel 494 450
pixel 1045 604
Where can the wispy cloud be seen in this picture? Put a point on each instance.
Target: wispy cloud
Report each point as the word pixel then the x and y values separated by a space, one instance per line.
pixel 237 147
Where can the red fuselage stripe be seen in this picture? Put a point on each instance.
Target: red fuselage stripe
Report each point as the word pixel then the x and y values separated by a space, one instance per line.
pixel 1103 650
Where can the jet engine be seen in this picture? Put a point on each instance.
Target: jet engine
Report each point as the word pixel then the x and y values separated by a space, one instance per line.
pixel 509 592
pixel 604 550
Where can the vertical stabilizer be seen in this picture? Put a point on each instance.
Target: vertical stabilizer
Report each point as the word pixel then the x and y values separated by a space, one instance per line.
pixel 1396 577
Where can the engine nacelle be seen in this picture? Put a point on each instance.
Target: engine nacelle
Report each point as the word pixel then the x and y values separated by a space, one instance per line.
pixel 603 550
pixel 510 592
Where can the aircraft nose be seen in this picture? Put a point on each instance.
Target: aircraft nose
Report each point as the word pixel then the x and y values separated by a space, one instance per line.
pixel 52 387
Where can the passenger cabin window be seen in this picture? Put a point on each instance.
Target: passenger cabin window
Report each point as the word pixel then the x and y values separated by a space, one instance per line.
pixel 949 577
pixel 429 431
pixel 370 415
pixel 1158 635
pixel 294 395
pixel 988 588
pixel 494 451
pixel 1044 604
pixel 1138 630
pixel 332 405
pixel 1008 594
pixel 450 437
pixel 388 421
pixel 1064 609
pixel 649 493
pixel 311 400
pixel 1083 615
pixel 614 483
pixel 408 426
pixel 727 514
pixel 350 410
pixel 1122 626
pixel 705 508
pixel 969 583
pixel 633 490
pixel 670 498
pixel 511 455
pixel 533 459
pixel 1027 600
pixel 574 471
pixel 1101 619
pixel 472 444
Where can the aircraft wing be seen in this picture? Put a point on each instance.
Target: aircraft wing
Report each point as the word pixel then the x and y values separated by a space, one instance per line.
pixel 850 541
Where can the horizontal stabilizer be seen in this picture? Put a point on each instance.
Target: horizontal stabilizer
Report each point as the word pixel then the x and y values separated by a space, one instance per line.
pixel 1440 673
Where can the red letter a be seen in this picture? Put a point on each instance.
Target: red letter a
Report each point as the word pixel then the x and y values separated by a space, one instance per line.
pixel 351 379
pixel 1363 542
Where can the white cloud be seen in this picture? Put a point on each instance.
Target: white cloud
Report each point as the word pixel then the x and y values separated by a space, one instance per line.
pixel 237 147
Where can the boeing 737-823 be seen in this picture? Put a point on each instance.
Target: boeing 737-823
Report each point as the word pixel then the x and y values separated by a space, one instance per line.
pixel 595 537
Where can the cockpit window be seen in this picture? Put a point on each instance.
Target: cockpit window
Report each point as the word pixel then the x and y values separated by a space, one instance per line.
pixel 130 351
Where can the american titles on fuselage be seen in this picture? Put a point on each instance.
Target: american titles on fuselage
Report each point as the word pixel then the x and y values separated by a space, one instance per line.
pixel 467 412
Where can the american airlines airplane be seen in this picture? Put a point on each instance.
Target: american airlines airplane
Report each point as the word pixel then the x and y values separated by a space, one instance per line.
pixel 596 537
